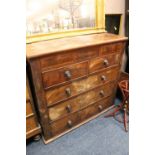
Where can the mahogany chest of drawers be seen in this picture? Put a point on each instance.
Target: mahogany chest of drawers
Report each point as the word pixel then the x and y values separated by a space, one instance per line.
pixel 74 79
pixel 32 125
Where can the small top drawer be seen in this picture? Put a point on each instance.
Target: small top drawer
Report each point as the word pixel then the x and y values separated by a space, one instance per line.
pixel 64 74
pixel 104 62
pixel 111 48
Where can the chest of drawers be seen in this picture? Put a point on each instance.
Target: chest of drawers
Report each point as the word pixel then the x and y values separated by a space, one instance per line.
pixel 32 125
pixel 74 79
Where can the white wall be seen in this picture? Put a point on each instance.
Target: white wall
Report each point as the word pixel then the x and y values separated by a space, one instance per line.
pixel 114 6
pixel 117 7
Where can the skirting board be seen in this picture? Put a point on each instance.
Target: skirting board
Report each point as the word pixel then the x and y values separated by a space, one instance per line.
pixel 62 134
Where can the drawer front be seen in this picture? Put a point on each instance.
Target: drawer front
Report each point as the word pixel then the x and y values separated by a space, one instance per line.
pixel 104 104
pixel 112 48
pixel 95 108
pixel 75 104
pixel 88 112
pixel 64 74
pixel 62 109
pixel 95 95
pixel 61 93
pixel 87 53
pixel 28 108
pixel 104 62
pixel 64 58
pixel 30 124
pixel 64 124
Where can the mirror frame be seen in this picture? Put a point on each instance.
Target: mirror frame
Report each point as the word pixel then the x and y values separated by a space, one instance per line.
pixel 100 27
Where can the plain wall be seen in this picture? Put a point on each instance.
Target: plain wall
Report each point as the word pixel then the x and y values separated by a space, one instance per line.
pixel 114 6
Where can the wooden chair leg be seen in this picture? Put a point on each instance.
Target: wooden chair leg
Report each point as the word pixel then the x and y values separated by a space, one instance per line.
pixel 114 112
pixel 125 119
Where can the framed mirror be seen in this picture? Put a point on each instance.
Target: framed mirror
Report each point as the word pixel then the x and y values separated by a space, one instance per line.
pixel 49 19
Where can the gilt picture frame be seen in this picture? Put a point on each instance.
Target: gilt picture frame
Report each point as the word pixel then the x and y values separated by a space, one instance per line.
pixel 99 26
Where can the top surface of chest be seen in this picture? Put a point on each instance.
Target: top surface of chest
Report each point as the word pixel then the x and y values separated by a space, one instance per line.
pixel 39 49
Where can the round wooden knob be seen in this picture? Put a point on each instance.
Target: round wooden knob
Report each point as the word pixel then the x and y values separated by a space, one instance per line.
pixel 100 107
pixel 102 93
pixel 68 74
pixel 68 91
pixel 103 78
pixel 69 123
pixel 105 62
pixel 68 108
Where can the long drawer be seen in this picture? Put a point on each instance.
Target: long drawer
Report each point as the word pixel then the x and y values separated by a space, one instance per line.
pixel 64 124
pixel 76 118
pixel 65 92
pixel 79 102
pixel 95 108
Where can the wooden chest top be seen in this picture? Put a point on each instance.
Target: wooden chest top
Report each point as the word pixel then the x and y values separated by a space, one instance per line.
pixel 38 49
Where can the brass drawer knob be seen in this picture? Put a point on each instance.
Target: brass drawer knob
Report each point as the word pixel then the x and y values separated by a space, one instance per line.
pixel 68 91
pixel 68 108
pixel 106 62
pixel 102 93
pixel 69 123
pixel 100 107
pixel 103 78
pixel 68 74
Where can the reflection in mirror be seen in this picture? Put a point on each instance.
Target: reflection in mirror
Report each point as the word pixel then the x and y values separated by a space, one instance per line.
pixel 47 16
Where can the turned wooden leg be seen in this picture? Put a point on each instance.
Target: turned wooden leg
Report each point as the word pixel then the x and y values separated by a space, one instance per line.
pixel 37 138
pixel 114 112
